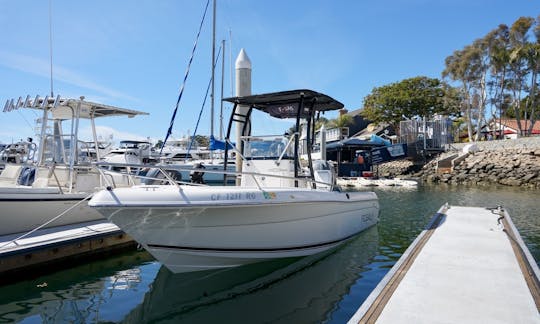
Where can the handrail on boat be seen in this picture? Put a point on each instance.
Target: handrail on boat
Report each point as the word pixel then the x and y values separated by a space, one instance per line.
pixel 243 159
pixel 285 149
pixel 56 178
pixel 236 150
pixel 100 166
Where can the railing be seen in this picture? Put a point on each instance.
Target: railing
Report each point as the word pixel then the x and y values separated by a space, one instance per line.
pixel 133 170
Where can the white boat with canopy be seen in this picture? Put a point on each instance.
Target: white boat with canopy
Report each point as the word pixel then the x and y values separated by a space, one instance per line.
pixel 53 192
pixel 131 152
pixel 282 207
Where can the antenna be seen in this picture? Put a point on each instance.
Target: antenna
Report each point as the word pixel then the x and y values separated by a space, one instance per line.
pixel 231 60
pixel 50 45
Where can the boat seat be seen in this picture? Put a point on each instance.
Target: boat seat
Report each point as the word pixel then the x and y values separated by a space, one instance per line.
pixel 46 178
pixel 10 174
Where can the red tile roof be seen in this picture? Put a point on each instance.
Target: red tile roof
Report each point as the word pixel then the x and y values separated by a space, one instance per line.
pixel 512 123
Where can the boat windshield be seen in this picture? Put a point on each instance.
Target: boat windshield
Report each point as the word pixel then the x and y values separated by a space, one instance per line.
pixel 267 147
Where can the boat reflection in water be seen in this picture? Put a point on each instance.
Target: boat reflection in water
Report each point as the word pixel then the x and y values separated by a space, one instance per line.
pixel 133 288
pixel 290 290
pixel 84 294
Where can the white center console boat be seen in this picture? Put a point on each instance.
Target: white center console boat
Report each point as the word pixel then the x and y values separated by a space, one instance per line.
pixel 282 206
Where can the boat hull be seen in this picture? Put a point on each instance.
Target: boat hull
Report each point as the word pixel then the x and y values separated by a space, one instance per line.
pixel 21 213
pixel 215 227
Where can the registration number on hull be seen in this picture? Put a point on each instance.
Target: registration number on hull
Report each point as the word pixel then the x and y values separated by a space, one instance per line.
pixel 234 196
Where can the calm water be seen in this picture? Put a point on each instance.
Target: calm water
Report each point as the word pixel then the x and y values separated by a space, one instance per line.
pixel 133 288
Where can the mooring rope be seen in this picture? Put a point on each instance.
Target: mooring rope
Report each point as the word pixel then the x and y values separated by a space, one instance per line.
pixel 14 241
pixel 169 131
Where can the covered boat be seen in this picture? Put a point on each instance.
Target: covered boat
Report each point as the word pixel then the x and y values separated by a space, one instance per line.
pixel 283 206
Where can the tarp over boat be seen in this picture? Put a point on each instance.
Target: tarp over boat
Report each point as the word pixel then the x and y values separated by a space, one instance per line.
pixel 217 144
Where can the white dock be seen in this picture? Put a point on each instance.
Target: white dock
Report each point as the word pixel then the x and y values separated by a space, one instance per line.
pixel 469 265
pixel 57 245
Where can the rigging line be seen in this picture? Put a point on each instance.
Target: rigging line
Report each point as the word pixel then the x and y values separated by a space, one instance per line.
pixel 26 120
pixel 169 131
pixel 202 107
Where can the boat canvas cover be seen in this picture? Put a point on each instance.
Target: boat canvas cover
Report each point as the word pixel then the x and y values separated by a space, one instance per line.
pixel 285 104
pixel 216 144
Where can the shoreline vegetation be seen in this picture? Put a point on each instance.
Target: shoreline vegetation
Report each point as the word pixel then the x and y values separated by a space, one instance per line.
pixel 513 163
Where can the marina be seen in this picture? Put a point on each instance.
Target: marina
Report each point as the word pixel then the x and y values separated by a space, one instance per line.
pixel 297 207
pixel 141 290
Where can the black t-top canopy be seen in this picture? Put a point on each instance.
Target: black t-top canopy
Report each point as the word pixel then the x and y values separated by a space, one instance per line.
pixel 285 104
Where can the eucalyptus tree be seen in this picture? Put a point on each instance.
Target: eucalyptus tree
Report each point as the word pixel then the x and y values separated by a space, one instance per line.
pixel 501 69
pixel 415 97
pixel 461 68
pixel 533 61
pixel 499 42
pixel 518 64
pixel 457 70
pixel 471 68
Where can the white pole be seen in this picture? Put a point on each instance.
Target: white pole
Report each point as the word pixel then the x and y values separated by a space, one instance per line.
pixel 243 88
pixel 323 143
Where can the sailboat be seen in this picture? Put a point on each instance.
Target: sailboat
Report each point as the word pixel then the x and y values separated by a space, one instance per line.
pixel 283 207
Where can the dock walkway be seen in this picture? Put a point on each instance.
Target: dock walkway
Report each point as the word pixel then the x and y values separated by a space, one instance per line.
pixel 468 266
pixel 53 246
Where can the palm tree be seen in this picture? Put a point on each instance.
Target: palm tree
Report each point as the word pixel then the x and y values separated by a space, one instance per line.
pixel 320 122
pixel 341 121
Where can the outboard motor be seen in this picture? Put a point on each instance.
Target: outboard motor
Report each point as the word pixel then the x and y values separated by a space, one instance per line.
pixel 323 173
pixel 26 178
pixel 197 175
pixel 157 175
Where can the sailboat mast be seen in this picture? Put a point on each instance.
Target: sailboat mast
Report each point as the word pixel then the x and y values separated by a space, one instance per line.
pixel 222 81
pixel 213 70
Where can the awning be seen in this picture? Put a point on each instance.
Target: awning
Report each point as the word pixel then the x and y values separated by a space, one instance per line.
pixel 351 143
pixel 285 104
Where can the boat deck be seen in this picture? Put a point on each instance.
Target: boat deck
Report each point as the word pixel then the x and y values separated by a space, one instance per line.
pixel 46 248
pixel 469 265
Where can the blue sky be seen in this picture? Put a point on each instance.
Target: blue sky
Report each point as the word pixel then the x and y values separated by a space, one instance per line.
pixel 133 54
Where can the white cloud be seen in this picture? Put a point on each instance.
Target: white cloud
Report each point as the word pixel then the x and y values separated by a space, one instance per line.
pixel 40 67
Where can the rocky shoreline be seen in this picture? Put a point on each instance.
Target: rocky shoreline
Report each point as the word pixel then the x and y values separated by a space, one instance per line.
pixel 511 165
